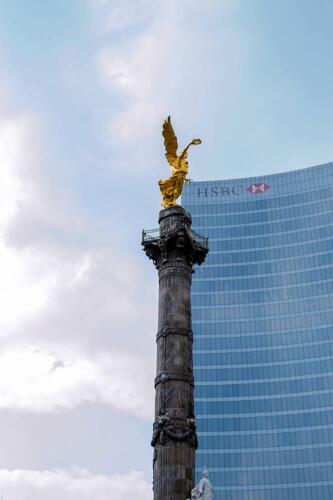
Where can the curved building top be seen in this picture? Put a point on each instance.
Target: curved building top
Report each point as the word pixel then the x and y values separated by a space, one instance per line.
pixel 259 187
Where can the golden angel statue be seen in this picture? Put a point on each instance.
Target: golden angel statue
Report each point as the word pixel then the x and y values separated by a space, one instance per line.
pixel 172 187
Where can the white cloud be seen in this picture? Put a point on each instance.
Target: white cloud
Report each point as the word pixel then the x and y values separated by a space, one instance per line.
pixel 73 317
pixel 22 291
pixel 134 70
pixel 73 484
pixel 34 380
pixel 82 332
pixel 98 328
pixel 168 67
pixel 116 16
pixel 12 138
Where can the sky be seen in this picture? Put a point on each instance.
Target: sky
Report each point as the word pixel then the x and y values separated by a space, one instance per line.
pixel 84 88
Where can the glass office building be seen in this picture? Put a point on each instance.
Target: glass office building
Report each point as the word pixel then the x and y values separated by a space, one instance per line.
pixel 263 335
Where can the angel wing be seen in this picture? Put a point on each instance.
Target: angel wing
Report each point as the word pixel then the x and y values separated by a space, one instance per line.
pixel 170 142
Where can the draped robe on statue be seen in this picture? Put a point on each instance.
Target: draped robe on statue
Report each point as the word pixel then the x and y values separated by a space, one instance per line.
pixel 204 489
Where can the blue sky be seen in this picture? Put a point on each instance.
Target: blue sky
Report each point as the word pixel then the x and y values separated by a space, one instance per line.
pixel 84 88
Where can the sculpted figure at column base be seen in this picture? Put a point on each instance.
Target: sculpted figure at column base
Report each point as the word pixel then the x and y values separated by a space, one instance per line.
pixel 204 489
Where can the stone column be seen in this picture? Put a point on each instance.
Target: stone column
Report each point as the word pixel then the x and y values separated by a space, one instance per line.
pixel 174 251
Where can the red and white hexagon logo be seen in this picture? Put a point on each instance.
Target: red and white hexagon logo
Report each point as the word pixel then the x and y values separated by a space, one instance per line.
pixel 258 187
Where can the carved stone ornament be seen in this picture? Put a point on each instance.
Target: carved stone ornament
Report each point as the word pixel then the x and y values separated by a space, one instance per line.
pixel 178 430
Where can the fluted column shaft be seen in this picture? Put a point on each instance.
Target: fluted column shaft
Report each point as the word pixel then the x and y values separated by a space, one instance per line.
pixel 174 435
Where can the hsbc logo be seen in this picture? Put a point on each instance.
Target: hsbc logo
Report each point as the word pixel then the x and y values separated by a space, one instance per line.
pixel 258 187
pixel 230 191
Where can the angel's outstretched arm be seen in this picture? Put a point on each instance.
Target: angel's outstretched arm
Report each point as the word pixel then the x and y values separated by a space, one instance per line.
pixel 194 141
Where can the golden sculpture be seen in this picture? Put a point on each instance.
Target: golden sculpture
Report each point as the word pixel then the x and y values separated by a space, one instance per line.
pixel 172 187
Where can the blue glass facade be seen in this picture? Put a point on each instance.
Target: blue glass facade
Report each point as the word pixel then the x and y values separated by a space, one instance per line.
pixel 263 334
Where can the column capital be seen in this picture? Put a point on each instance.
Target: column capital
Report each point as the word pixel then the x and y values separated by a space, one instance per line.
pixel 174 241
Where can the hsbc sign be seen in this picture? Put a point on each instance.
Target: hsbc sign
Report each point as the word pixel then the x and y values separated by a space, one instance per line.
pixel 222 191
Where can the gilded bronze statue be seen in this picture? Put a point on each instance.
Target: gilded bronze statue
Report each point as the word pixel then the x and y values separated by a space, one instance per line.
pixel 172 187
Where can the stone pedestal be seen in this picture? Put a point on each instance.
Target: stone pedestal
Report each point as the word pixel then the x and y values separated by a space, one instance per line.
pixel 174 249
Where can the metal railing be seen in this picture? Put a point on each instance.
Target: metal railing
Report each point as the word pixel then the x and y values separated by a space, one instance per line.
pixel 150 234
pixel 201 240
pixel 155 234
